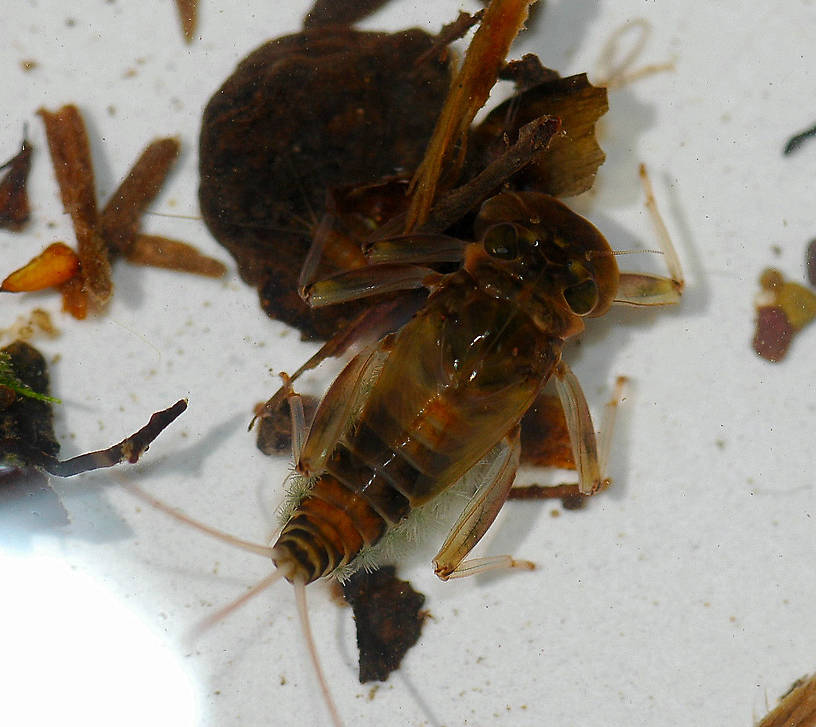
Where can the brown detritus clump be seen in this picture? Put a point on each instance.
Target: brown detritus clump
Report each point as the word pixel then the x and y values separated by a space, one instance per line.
pixel 797 707
pixel 527 72
pixel 275 427
pixel 14 207
pixel 783 309
pixel 301 115
pixel 389 620
pixel 545 440
pixel 575 501
pixel 83 277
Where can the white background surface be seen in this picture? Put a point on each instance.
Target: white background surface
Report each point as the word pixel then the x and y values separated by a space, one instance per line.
pixel 683 596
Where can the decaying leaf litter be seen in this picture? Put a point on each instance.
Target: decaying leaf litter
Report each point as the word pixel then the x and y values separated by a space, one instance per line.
pixel 84 277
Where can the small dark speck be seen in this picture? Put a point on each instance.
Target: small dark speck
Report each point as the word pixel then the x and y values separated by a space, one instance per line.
pixel 70 22
pixel 776 250
pixel 720 443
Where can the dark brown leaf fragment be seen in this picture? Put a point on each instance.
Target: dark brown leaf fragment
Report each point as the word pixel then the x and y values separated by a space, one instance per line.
pixel 527 72
pixel 14 208
pixel 568 165
pixel 389 619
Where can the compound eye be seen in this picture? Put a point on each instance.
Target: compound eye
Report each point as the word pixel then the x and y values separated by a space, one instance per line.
pixel 501 241
pixel 582 298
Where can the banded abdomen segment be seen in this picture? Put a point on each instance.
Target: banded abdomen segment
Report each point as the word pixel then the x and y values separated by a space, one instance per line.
pixel 328 529
pixel 457 378
pixel 364 490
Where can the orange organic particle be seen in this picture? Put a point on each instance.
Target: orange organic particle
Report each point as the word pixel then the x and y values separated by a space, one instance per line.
pixel 74 300
pixel 54 266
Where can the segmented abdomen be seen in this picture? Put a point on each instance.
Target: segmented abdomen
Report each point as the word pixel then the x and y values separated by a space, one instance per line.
pixel 459 376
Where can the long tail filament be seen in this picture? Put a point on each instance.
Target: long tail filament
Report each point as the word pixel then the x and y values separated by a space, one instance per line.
pixel 303 614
